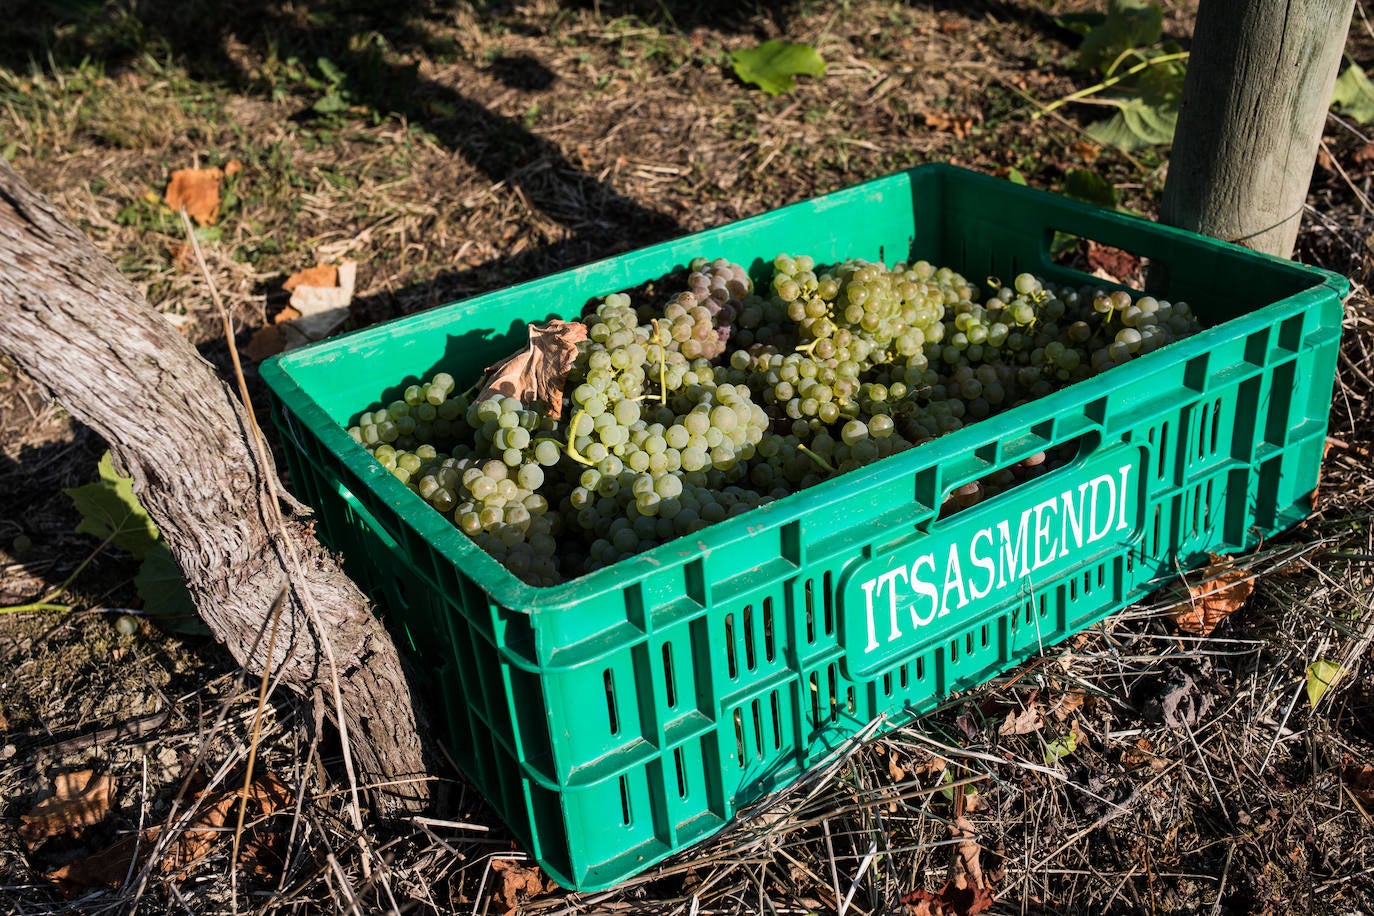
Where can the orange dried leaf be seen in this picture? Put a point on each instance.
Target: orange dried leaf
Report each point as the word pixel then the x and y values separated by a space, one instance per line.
pixel 944 121
pixel 1088 152
pixel 319 275
pixel 538 372
pixel 233 167
pixel 967 891
pixel 320 298
pixel 79 799
pixel 1114 265
pixel 517 885
pixel 266 795
pixel 1223 590
pixel 197 190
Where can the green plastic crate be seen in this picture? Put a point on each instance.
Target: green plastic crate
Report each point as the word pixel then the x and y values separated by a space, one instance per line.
pixel 628 714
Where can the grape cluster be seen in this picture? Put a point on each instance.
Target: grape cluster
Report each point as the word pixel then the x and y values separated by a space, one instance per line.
pixel 710 396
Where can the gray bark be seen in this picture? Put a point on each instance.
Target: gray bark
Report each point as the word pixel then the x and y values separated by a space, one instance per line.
pixel 1259 83
pixel 80 330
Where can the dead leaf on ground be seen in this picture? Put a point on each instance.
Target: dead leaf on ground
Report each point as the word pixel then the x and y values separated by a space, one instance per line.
pixel 183 256
pixel 538 372
pixel 1184 702
pixel 79 799
pixel 1359 778
pixel 1088 152
pixel 932 766
pixel 198 191
pixel 105 868
pixel 1066 705
pixel 1022 722
pixel 323 307
pixel 266 341
pixel 518 883
pixel 1222 591
pixel 324 275
pixel 959 125
pixel 967 891
pixel 214 823
pixel 266 795
pixel 1142 755
pixel 320 300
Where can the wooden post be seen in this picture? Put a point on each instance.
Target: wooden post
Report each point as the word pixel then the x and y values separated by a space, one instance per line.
pixel 1259 83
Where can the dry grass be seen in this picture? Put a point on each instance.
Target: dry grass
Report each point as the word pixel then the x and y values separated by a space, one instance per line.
pixel 458 167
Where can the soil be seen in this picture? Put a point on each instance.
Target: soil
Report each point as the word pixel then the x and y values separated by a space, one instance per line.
pixel 452 148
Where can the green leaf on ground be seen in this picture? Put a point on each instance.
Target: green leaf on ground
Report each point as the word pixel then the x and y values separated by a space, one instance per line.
pixel 1015 177
pixel 1137 124
pixel 109 510
pixel 1080 23
pixel 330 103
pixel 772 65
pixel 1321 674
pixel 1128 25
pixel 162 586
pixel 1085 184
pixel 1060 748
pixel 1354 95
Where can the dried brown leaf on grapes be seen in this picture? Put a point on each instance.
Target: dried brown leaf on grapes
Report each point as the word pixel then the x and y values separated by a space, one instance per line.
pixel 538 372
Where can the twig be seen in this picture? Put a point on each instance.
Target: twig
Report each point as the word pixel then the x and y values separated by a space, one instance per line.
pixel 859 875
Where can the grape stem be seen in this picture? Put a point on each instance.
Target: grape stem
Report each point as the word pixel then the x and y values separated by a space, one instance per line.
pixel 571 449
pixel 816 458
pixel 662 365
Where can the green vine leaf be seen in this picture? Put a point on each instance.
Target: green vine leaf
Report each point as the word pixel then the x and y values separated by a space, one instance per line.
pixel 1354 95
pixel 772 65
pixel 1085 184
pixel 1137 124
pixel 162 586
pixel 110 511
pixel 1321 674
pixel 1060 748
pixel 1128 25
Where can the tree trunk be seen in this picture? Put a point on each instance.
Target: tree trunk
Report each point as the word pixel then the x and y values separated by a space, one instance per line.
pixel 79 329
pixel 1259 83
